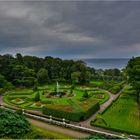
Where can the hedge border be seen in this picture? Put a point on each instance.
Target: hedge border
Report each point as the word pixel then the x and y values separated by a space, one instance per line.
pixel 114 129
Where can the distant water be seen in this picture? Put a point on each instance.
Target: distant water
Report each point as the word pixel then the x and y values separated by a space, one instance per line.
pixel 107 63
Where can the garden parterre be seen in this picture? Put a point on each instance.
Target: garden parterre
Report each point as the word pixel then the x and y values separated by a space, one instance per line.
pixel 122 115
pixel 69 102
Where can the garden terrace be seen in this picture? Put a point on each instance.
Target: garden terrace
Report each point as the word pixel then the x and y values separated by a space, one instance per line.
pixel 122 115
pixel 112 86
pixel 72 102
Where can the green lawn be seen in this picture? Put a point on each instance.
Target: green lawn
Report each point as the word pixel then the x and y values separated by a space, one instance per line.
pixel 40 133
pixel 122 114
pixel 112 86
pixel 24 98
pixel 27 96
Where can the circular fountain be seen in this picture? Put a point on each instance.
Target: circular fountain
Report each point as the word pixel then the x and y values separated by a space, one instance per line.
pixel 57 93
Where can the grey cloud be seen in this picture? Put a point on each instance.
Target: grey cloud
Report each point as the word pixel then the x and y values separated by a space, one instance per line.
pixel 70 29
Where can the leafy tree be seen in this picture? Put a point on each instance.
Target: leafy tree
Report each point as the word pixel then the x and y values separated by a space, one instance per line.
pixel 87 76
pixel 35 88
pixel 112 72
pixel 33 62
pixel 37 97
pixel 4 83
pixel 12 125
pixel 19 58
pixel 22 76
pixel 133 73
pixel 75 76
pixel 23 70
pixel 42 76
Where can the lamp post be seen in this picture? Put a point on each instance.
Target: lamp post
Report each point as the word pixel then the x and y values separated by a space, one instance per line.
pixel 50 118
pixel 63 120
pixel 23 111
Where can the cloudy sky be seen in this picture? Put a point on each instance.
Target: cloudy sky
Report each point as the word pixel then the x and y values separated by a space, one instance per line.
pixel 69 29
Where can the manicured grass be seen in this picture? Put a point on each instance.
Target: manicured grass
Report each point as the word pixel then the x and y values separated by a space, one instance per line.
pixel 97 83
pixel 40 133
pixel 122 115
pixel 27 95
pixel 112 86
pixel 74 103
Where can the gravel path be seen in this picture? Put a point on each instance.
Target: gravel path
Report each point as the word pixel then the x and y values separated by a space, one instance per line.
pixel 66 131
pixel 112 97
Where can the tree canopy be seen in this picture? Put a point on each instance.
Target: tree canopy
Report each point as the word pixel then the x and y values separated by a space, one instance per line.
pixel 12 125
pixel 133 74
pixel 28 70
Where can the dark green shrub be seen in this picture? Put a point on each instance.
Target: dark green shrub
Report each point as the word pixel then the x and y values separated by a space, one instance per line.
pixel 12 125
pixel 19 111
pixel 2 90
pixel 37 97
pixel 43 92
pixel 71 91
pixel 35 88
pixel 94 108
pixel 73 116
pixel 85 95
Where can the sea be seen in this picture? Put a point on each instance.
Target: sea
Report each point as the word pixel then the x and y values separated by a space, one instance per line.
pixel 107 63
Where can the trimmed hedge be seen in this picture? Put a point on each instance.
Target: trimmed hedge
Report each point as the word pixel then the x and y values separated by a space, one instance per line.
pixel 114 129
pixel 73 116
pixel 94 108
pixel 35 113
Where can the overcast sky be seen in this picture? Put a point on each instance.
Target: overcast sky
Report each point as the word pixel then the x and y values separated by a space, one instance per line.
pixel 92 29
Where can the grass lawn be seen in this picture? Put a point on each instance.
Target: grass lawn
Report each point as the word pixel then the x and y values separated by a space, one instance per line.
pixel 40 133
pixel 27 96
pixel 122 114
pixel 72 102
pixel 112 86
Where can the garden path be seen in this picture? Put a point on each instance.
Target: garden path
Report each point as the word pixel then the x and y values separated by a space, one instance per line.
pixel 112 97
pixel 59 129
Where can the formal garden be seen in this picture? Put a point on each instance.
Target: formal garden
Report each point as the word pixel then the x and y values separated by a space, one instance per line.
pixel 30 83
pixel 110 85
pixel 59 100
pixel 122 115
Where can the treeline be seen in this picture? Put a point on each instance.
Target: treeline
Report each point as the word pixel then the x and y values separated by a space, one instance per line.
pixel 109 74
pixel 27 71
pixel 30 70
pixel 133 76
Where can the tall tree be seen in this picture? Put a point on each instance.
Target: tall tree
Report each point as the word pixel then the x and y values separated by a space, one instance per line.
pixel 19 58
pixel 133 73
pixel 42 76
pixel 75 76
pixel 22 76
